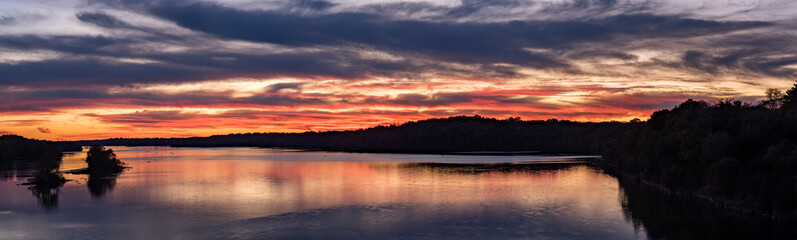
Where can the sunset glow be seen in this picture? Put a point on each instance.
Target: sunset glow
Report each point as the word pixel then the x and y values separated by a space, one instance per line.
pixel 101 69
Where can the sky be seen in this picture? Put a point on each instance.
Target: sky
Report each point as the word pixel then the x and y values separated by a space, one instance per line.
pixel 90 69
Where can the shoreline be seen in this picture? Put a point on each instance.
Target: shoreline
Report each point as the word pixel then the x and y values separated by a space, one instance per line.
pixel 733 208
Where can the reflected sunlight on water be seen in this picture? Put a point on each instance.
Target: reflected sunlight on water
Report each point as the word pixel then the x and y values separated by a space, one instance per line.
pixel 182 192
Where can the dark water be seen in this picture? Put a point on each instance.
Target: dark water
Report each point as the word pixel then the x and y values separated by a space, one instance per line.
pixel 195 193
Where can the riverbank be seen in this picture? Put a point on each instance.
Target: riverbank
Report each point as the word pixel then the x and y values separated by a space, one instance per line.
pixel 733 208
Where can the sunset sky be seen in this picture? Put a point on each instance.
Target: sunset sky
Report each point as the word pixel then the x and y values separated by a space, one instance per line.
pixel 88 69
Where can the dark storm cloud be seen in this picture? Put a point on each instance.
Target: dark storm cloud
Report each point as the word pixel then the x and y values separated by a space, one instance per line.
pixel 747 60
pixel 593 8
pixel 313 4
pixel 67 44
pixel 605 54
pixel 402 8
pixel 273 88
pixel 60 73
pixel 102 20
pixel 467 42
pixel 463 42
pixel 650 26
pixel 88 68
pixel 284 100
pixel 775 67
pixel 699 60
pixel 468 37
pixel 469 7
pixel 426 46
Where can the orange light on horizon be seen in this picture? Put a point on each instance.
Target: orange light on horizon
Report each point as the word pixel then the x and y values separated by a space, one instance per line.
pixel 243 105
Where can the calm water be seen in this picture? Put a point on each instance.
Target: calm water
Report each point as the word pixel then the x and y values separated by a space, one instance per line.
pixel 192 193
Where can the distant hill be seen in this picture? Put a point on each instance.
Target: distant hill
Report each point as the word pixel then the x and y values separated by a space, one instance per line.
pixel 439 135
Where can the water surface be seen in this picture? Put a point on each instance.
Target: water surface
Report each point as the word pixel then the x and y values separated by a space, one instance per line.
pixel 265 193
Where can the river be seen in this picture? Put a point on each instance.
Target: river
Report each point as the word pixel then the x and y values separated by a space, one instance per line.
pixel 253 193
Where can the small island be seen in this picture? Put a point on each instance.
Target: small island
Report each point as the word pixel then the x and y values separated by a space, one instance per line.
pixel 103 162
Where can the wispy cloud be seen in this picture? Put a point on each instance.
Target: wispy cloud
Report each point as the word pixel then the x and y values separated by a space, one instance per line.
pixel 380 61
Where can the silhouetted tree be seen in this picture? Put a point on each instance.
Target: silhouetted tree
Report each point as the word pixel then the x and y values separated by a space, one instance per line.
pixel 45 185
pixel 16 148
pixel 443 135
pixel 790 98
pixel 774 99
pixel 103 162
pixel 737 153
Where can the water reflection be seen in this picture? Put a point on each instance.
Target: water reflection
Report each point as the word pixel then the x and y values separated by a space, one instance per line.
pixel 99 186
pixel 44 180
pixel 45 184
pixel 667 216
pixel 14 170
pixel 46 196
pixel 477 168
pixel 259 194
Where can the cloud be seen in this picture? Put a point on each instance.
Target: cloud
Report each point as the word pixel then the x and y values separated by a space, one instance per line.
pixel 330 44
pixel 314 64
pixel 453 99
pixel 146 116
pixel 64 72
pixel 199 65
pixel 464 42
pixel 351 27
pixel 102 20
pixel 67 44
pixel 290 86
pixel 21 123
pixel 313 4
pixel 471 42
pixel 6 20
pixel 43 129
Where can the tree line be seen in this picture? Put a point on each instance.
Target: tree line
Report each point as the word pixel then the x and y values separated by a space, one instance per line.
pixel 738 154
pixel 16 148
pixel 442 135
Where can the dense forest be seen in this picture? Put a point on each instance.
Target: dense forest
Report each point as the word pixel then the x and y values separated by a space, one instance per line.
pixel 445 135
pixel 737 154
pixel 15 148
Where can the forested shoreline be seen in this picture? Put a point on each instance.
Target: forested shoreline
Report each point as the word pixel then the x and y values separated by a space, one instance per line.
pixel 19 149
pixel 444 135
pixel 741 155
pixel 738 155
